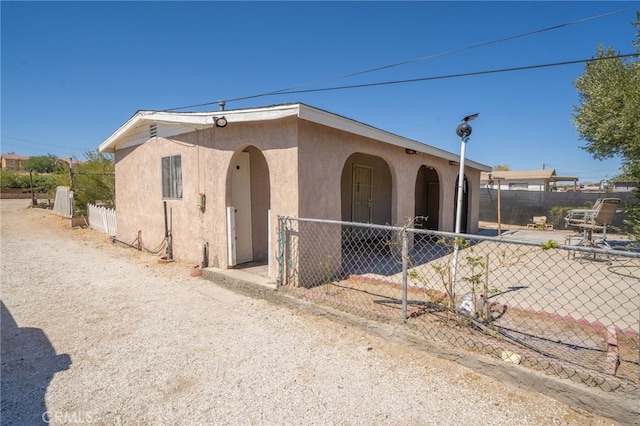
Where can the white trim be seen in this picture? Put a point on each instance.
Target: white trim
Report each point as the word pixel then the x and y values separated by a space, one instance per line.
pixel 355 127
pixel 269 240
pixel 231 237
pixel 187 121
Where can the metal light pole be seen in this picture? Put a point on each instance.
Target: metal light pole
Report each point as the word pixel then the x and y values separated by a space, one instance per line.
pixel 464 131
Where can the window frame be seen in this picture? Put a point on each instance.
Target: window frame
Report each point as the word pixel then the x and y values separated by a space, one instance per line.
pixel 171 175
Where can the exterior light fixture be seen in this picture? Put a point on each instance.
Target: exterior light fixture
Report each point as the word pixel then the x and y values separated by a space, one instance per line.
pixel 220 121
pixel 410 151
pixel 464 130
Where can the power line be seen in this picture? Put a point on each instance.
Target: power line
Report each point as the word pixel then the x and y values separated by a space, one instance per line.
pixel 449 52
pixel 293 89
pixel 441 77
pixel 38 143
pixel 468 74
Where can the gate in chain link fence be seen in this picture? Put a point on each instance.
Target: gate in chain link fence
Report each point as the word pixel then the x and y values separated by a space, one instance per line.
pixel 572 311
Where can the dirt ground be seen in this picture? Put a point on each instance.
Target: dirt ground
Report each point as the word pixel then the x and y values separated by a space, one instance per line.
pixel 565 342
pixel 99 333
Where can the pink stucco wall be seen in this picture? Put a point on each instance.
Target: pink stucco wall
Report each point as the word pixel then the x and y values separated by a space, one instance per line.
pixel 323 153
pixel 303 163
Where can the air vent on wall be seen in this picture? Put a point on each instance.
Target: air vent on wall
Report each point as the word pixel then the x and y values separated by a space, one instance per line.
pixel 153 130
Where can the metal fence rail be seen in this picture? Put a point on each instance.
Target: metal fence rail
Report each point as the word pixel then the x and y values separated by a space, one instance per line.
pixel 102 219
pixel 570 310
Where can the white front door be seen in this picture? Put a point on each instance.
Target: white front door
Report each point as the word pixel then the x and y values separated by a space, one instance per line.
pixel 241 202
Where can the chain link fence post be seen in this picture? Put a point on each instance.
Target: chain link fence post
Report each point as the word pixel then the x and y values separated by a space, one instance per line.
pixel 405 267
pixel 280 255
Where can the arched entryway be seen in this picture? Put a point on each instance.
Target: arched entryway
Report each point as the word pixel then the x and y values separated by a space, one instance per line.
pixel 248 207
pixel 465 205
pixel 366 189
pixel 427 199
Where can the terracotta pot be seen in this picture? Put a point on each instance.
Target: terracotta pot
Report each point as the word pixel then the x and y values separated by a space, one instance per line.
pixel 196 271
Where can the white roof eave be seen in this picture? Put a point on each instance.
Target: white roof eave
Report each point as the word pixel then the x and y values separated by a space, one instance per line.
pixel 206 119
pixel 351 126
pixel 194 120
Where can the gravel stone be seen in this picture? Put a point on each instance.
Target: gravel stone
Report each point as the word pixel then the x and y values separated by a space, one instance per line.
pixel 99 333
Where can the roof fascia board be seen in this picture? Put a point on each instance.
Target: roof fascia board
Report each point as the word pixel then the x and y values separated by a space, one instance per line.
pixel 195 120
pixel 184 121
pixel 351 126
pixel 207 119
pixel 164 130
pixel 261 114
pixel 305 112
pixel 108 145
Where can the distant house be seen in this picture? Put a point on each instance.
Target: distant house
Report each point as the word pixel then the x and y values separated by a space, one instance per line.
pixel 524 180
pixel 12 161
pixel 624 186
pixel 226 176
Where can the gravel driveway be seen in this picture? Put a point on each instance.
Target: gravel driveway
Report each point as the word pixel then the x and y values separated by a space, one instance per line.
pixel 99 333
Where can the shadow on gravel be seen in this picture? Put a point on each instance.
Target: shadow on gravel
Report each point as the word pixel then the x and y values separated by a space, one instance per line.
pixel 29 362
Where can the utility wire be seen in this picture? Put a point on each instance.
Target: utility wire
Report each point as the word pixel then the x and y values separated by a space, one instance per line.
pixel 440 77
pixel 449 52
pixel 293 89
pixel 38 143
pixel 467 74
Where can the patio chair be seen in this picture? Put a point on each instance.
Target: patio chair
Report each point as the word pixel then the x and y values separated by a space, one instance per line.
pixel 540 222
pixel 595 220
pixel 576 217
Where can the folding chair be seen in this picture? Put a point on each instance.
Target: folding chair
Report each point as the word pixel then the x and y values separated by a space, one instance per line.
pixel 596 220
pixel 577 217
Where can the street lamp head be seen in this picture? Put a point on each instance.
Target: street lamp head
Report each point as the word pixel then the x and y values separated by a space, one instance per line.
pixel 471 117
pixel 463 130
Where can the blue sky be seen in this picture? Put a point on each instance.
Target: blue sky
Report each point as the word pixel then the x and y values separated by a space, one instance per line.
pixel 73 72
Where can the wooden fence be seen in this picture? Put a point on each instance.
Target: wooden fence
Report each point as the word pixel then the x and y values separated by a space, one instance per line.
pixel 63 204
pixel 102 219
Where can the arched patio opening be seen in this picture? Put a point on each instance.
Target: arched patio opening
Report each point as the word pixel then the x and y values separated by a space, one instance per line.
pixel 427 199
pixel 464 219
pixel 366 189
pixel 248 207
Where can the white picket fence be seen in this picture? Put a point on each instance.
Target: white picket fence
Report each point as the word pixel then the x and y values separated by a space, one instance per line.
pixel 63 205
pixel 102 219
pixel 99 218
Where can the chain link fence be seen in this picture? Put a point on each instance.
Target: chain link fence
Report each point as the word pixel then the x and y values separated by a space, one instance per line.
pixel 567 310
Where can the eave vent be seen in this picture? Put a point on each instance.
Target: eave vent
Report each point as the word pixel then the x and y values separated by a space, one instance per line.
pixel 153 130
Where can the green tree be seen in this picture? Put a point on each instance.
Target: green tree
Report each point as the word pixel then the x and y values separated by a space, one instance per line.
pixel 46 183
pixel 502 167
pixel 11 179
pixel 43 164
pixel 607 117
pixel 94 181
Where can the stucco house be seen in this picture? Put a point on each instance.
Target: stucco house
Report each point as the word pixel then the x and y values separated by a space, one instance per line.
pixel 226 176
pixel 620 186
pixel 543 180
